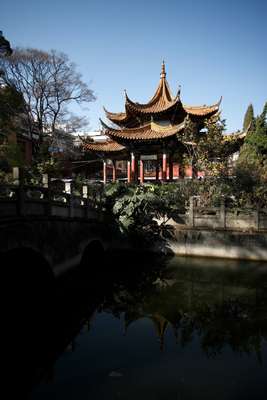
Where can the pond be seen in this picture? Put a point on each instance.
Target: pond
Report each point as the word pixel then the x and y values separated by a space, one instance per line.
pixel 142 327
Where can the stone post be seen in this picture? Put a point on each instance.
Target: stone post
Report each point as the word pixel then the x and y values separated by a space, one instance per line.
pixel 85 191
pixel 45 180
pixel 68 187
pixel 257 219
pixel 86 204
pixel 222 215
pixel 68 190
pixel 15 173
pixel 21 193
pixel 46 185
pixel 191 212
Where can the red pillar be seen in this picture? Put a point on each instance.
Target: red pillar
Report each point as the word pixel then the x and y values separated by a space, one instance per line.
pixel 175 170
pixel 104 172
pixel 190 168
pixel 134 168
pixel 141 171
pixel 164 166
pixel 128 171
pixel 114 171
pixel 157 170
pixel 170 168
pixel 181 172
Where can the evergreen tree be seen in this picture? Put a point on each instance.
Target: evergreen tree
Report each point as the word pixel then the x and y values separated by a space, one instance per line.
pixel 249 119
pixel 253 154
pixel 5 49
pixel 11 109
pixel 258 139
pixel 11 106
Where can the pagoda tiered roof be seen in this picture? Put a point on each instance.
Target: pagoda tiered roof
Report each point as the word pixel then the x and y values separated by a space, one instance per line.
pixel 162 118
pixel 106 147
pixel 202 111
pixel 161 103
pixel 148 131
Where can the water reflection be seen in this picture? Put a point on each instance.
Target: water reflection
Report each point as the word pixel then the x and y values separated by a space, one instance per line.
pixel 158 329
pixel 224 304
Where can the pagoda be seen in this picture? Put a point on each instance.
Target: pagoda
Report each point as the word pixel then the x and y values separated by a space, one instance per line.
pixel 149 132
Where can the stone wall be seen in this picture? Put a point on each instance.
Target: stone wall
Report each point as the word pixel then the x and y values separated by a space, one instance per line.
pixel 219 243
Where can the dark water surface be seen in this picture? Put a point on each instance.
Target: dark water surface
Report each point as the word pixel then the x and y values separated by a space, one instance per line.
pixel 145 328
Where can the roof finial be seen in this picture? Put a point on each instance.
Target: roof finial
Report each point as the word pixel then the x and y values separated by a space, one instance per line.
pixel 163 72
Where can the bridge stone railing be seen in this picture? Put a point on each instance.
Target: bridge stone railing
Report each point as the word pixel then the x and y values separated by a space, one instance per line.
pixel 223 217
pixel 19 199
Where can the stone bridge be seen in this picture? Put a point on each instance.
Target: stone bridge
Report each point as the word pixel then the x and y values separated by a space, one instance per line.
pixel 57 231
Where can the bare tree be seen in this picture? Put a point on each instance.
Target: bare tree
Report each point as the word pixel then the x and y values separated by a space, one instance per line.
pixel 49 83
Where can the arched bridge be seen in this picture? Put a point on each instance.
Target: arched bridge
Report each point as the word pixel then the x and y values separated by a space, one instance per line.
pixel 58 230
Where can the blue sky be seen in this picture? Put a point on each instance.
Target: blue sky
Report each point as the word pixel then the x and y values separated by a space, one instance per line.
pixel 211 48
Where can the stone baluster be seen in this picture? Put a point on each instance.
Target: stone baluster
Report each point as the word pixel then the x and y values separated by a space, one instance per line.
pixel 21 195
pixel 46 185
pixel 222 214
pixel 257 218
pixel 68 190
pixel 191 220
pixel 85 191
pixel 15 173
pixel 45 180
pixel 86 203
